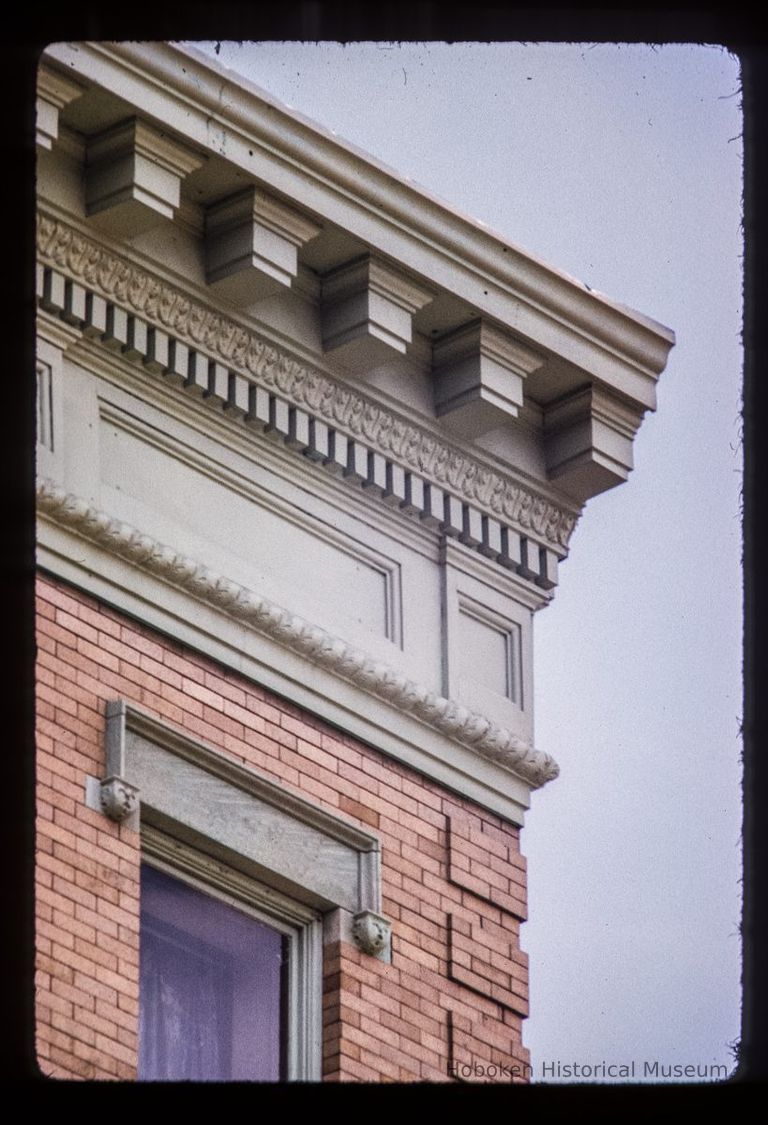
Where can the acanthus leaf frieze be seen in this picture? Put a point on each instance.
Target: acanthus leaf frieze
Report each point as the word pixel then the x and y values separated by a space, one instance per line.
pixel 131 285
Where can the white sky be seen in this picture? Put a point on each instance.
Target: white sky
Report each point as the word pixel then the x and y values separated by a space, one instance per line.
pixel 620 164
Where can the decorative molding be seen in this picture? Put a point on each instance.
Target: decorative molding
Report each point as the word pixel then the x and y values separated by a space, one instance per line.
pixel 588 439
pixel 451 719
pixel 360 195
pixel 251 245
pixel 119 799
pixel 368 308
pixel 372 934
pixel 54 92
pixel 254 409
pixel 341 407
pixel 172 612
pixel 307 436
pixel 479 373
pixel 133 176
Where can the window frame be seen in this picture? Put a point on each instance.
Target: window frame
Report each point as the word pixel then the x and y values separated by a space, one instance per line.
pixel 302 925
pixel 202 812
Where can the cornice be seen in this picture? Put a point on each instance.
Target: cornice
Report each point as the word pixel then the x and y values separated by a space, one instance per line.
pixel 356 415
pixel 54 91
pixel 226 106
pixel 456 722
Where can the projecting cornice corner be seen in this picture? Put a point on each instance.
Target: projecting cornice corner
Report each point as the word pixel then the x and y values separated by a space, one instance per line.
pixel 54 92
pixel 588 438
pixel 238 125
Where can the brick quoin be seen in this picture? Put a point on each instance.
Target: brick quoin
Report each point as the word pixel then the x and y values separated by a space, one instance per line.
pixel 453 879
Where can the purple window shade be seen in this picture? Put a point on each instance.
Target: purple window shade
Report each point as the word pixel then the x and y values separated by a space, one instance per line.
pixel 212 993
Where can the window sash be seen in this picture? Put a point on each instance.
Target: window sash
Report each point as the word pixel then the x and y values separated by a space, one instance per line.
pixel 300 924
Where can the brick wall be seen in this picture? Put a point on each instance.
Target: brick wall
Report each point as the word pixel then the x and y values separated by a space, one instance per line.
pixel 453 879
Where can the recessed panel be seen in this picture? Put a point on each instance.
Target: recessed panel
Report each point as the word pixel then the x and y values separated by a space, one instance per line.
pixel 302 563
pixel 488 655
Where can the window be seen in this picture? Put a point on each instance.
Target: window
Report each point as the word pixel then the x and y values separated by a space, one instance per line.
pixel 229 970
pixel 213 986
pixel 240 882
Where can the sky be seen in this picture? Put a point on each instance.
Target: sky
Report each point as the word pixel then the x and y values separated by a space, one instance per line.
pixel 620 164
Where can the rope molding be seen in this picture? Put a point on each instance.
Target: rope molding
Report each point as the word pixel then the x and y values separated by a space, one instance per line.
pixel 459 723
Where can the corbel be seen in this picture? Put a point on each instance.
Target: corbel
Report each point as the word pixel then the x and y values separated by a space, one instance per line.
pixel 478 373
pixel 113 795
pixel 54 92
pixel 372 934
pixel 367 311
pixel 252 242
pixel 133 177
pixel 588 439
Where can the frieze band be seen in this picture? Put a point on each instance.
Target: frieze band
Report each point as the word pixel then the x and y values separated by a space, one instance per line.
pixel 61 245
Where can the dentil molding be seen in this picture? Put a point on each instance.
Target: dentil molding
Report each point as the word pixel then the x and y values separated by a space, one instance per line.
pixel 116 279
pixel 459 723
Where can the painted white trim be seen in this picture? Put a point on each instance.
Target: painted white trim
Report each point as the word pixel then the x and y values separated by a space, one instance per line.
pixel 364 422
pixel 220 112
pixel 313 643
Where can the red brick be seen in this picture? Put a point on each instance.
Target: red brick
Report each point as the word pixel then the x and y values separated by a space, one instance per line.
pixel 135 676
pixel 116 1050
pixel 351 1070
pixel 54 593
pixel 58 699
pixel 222 723
pixel 198 691
pixel 76 624
pixel 95 653
pixel 384 1021
pixel 114 1013
pixel 71 1067
pixel 142 643
pixel 101 924
pixel 99 1023
pixel 354 808
pixel 72 992
pixel 58 1004
pixel 225 688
